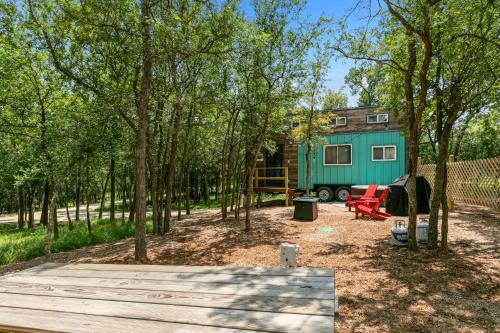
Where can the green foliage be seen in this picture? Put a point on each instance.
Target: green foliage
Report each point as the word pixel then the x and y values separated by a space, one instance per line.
pixel 334 100
pixel 22 245
pixel 365 80
pixel 481 138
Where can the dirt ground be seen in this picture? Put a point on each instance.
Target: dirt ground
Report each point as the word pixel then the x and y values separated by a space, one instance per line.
pixel 381 287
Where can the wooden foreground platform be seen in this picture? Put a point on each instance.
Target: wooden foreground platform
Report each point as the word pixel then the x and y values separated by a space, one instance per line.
pixel 150 298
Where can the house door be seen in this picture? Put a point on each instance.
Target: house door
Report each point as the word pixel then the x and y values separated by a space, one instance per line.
pixel 275 160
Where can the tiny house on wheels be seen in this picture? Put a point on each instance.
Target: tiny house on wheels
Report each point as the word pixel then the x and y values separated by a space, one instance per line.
pixel 364 147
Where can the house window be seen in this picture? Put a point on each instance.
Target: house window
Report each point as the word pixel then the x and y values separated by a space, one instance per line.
pixel 383 153
pixel 377 118
pixel 338 121
pixel 337 154
pixel 295 124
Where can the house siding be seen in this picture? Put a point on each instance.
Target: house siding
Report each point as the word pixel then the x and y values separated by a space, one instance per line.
pixel 363 170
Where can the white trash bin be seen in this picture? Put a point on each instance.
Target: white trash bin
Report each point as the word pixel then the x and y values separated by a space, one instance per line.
pixel 289 254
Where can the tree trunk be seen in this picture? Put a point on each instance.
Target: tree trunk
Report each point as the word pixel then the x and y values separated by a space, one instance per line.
pixel 154 195
pixel 205 178
pixel 131 215
pixel 251 160
pixel 444 217
pixel 53 209
pixel 178 200
pixel 443 132
pixel 112 189
pixel 78 198
pixel 48 240
pixel 45 204
pixel 224 170
pixel 248 196
pixel 124 193
pixel 87 200
pixel 234 186
pixel 25 199
pixel 87 210
pixel 103 197
pixel 412 192
pixel 437 195
pixel 187 199
pixel 308 167
pixel 142 130
pixel 31 208
pixel 20 216
pixel 184 185
pixel 171 163
pixel 412 152
pixel 70 222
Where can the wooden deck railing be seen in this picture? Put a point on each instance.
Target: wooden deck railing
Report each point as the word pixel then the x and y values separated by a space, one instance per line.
pixel 261 176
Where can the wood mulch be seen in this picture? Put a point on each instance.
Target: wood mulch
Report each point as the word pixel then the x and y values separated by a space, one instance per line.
pixel 381 288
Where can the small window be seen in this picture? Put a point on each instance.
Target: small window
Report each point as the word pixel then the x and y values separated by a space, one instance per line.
pixel 337 154
pixel 295 124
pixel 339 121
pixel 383 153
pixel 377 118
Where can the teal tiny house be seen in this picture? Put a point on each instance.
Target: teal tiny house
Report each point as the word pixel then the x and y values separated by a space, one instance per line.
pixel 355 158
pixel 365 146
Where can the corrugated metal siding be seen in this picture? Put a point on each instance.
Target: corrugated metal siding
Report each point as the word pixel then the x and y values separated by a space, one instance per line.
pixel 363 170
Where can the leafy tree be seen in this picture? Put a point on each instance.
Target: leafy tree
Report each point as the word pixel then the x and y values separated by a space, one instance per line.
pixel 393 43
pixel 273 56
pixel 335 100
pixel 463 82
pixel 479 138
pixel 364 80
pixel 313 122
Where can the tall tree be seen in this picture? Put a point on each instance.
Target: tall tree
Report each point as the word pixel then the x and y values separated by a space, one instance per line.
pixel 142 131
pixel 393 43
pixel 464 80
pixel 314 123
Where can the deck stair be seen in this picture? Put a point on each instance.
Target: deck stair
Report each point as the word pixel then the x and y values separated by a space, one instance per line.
pixel 260 184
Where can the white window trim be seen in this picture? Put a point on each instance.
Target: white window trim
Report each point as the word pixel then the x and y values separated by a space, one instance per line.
pixel 377 122
pixel 336 145
pixel 383 153
pixel 336 122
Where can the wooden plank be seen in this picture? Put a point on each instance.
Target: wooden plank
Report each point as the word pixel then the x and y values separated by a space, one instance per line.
pixel 270 178
pixel 236 319
pixel 298 271
pixel 261 302
pixel 39 321
pixel 301 281
pixel 182 286
pixel 270 189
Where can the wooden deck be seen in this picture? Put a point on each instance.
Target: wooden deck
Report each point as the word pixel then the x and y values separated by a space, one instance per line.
pixel 150 298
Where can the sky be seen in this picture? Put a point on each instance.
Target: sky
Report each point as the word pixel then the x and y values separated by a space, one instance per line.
pixel 335 9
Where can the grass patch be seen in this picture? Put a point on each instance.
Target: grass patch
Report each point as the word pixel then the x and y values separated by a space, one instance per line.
pixel 21 245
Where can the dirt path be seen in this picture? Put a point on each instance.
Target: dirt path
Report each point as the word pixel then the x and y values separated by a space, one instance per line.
pixel 63 217
pixel 61 214
pixel 381 287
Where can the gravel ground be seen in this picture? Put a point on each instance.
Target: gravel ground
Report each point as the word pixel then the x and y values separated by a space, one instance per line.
pixel 381 288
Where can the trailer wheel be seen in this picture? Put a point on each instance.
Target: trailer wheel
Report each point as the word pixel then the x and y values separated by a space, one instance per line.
pixel 325 194
pixel 341 193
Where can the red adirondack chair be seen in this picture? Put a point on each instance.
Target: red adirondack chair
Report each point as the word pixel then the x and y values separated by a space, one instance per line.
pixel 369 194
pixel 370 207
